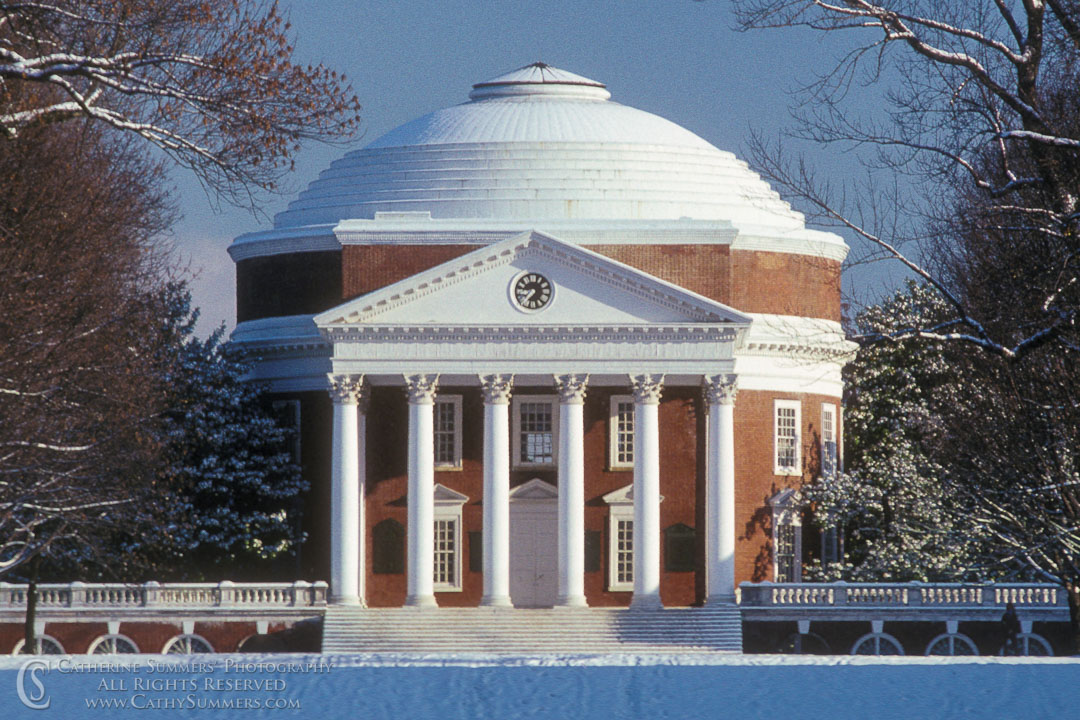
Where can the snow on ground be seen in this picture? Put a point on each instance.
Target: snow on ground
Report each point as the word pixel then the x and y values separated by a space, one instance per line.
pixel 450 687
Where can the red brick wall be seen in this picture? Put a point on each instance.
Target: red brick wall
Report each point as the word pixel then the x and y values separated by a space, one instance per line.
pixel 755 482
pixel 365 268
pixel 682 447
pixel 768 282
pixel 751 281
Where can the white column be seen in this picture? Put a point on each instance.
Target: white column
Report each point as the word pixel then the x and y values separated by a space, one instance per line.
pixel 347 491
pixel 647 390
pixel 571 489
pixel 496 503
pixel 420 564
pixel 720 393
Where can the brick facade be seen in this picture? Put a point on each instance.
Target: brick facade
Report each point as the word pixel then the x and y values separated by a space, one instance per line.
pixel 750 281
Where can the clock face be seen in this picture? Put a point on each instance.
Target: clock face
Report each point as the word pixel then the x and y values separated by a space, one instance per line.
pixel 532 291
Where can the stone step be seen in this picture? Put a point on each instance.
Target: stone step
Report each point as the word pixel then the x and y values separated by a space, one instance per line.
pixel 521 631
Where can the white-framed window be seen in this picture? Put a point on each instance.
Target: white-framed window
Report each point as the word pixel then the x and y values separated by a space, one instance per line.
pixel 828 440
pixel 113 644
pixel 448 432
pixel 43 645
pixel 621 432
pixel 288 416
pixel 786 536
pixel 787 452
pixel 448 548
pixel 187 644
pixel 536 422
pixel 621 538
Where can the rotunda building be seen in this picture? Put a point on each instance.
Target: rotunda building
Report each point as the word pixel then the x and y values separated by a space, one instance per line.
pixel 545 349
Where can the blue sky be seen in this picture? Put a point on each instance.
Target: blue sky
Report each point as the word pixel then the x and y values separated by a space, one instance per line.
pixel 676 58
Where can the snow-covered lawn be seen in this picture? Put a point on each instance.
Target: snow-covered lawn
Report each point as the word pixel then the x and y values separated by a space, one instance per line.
pixel 625 686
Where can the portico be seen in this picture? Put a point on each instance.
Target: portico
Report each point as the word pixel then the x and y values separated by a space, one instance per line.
pixel 466 325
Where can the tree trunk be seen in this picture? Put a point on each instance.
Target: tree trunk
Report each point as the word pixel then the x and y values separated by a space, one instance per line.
pixel 1073 589
pixel 29 635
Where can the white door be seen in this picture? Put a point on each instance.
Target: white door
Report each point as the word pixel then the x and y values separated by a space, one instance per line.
pixel 533 552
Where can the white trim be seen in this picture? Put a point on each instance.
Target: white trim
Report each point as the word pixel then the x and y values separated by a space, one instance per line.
pixel 112 636
pixel 620 513
pixel 448 505
pixel 596 268
pixel 455 462
pixel 186 638
pixel 40 641
pixel 613 433
pixel 829 460
pixel 515 422
pixel 778 467
pixel 786 506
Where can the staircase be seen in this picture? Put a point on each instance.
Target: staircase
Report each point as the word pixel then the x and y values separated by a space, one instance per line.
pixel 513 631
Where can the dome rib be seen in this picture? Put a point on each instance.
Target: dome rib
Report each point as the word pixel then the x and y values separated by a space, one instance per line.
pixel 540 143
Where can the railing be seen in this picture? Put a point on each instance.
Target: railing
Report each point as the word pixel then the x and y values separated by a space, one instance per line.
pixel 167 596
pixel 900 595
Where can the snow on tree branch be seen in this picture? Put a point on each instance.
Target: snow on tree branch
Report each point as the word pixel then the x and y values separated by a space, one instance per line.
pixel 213 84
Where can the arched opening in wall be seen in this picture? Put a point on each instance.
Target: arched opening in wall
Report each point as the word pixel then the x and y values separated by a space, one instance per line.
pixel 877 644
pixel 1030 645
pixel 187 644
pixel 951 644
pixel 113 645
pixel 43 645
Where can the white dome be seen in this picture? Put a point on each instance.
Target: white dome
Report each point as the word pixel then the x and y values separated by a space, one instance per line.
pixel 540 144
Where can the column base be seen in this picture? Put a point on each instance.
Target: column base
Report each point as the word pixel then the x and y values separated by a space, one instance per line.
pixel 647 603
pixel 421 601
pixel 352 600
pixel 720 600
pixel 501 601
pixel 572 601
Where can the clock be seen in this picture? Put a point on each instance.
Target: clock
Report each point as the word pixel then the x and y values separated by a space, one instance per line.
pixel 531 291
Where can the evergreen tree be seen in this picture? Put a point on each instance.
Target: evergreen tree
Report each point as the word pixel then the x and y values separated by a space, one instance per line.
pixel 234 482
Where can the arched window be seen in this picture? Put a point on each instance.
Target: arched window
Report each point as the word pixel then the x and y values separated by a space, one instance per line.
pixel 113 645
pixel 43 645
pixel 187 644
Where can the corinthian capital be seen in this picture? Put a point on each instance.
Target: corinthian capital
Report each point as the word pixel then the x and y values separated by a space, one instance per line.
pixel 421 388
pixel 647 388
pixel 347 389
pixel 571 388
pixel 720 389
pixel 496 388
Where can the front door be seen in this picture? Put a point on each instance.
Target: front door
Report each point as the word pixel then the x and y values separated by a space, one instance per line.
pixel 534 562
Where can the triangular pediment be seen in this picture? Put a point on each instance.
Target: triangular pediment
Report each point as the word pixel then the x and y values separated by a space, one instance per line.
pixel 446 496
pixel 623 496
pixel 535 489
pixel 527 280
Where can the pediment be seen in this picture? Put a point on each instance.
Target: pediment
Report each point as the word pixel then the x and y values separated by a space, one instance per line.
pixel 446 496
pixel 623 496
pixel 535 489
pixel 483 288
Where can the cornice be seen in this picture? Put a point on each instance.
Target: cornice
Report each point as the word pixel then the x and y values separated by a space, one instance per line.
pixel 529 333
pixel 532 244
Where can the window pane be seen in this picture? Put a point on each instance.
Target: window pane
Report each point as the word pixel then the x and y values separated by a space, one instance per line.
pixel 786 435
pixel 445 433
pixel 785 553
pixel 624 551
pixel 536 432
pixel 624 433
pixel 445 552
